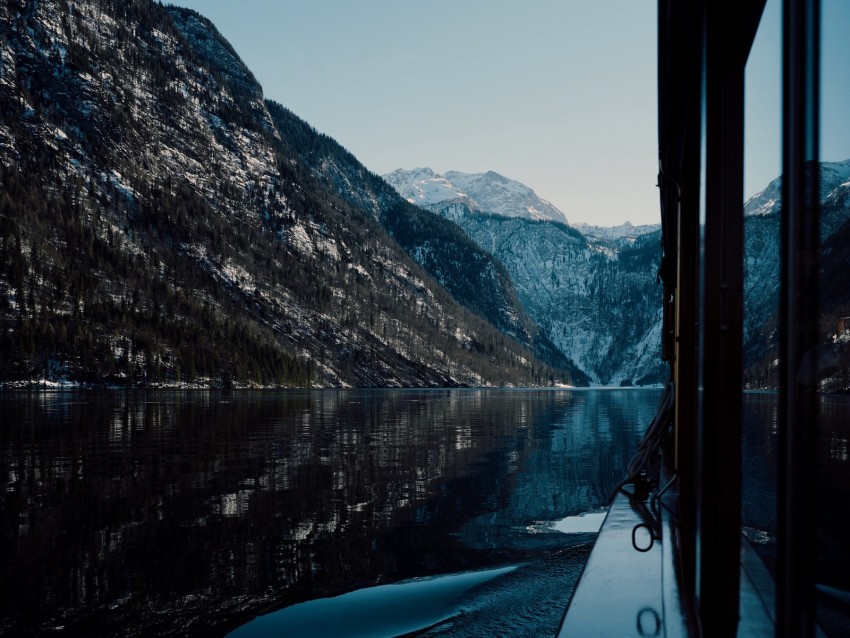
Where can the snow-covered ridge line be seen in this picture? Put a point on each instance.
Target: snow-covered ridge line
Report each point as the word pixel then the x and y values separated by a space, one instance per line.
pixel 487 192
pixel 626 231
pixel 834 177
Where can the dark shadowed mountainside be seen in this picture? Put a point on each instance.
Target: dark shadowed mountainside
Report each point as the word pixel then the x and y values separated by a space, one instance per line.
pixel 159 224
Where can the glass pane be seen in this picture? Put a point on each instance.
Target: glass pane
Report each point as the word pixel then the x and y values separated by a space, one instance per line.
pixel 762 210
pixel 762 167
pixel 833 494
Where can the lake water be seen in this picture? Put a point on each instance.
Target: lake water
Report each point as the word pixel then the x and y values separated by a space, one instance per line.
pixel 322 513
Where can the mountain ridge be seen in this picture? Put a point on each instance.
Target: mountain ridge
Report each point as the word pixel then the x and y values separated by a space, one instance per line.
pixel 569 278
pixel 488 192
pixel 436 243
pixel 159 228
pixel 559 275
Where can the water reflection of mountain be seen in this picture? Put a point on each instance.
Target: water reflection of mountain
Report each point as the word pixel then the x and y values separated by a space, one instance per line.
pixel 178 513
pixel 567 464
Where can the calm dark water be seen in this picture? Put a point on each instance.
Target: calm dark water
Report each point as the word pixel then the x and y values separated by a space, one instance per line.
pixel 761 450
pixel 337 513
pixel 192 513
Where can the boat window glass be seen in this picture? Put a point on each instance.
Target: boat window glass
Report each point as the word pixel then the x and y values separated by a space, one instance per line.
pixel 833 476
pixel 762 168
pixel 762 186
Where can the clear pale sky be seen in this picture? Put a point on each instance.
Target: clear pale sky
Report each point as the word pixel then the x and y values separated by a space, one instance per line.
pixel 763 109
pixel 558 94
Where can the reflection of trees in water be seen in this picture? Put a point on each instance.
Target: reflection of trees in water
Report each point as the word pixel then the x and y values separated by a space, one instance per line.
pixel 215 502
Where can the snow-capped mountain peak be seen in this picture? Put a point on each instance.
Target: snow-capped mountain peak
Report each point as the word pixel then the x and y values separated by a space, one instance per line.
pixel 422 186
pixel 833 176
pixel 488 192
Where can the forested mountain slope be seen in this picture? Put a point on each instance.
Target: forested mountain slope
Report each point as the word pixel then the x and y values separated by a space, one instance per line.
pixel 157 225
pixel 472 275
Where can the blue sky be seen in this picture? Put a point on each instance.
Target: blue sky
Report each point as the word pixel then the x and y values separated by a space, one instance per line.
pixel 559 94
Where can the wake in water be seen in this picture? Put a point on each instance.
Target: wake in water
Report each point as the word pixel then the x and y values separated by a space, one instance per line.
pixel 512 601
pixel 528 601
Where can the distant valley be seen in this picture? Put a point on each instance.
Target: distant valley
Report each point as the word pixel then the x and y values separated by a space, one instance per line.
pixel 593 289
pixel 594 293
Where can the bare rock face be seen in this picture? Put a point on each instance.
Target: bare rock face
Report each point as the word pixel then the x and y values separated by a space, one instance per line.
pixel 592 290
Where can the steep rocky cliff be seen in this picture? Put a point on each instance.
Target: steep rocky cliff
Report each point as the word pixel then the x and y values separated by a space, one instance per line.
pixel 159 224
